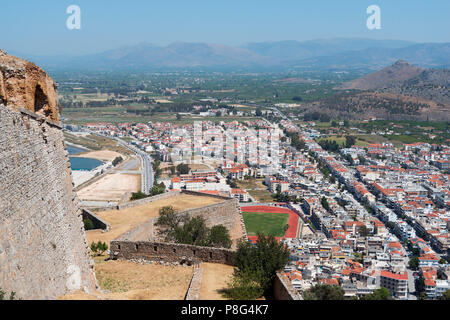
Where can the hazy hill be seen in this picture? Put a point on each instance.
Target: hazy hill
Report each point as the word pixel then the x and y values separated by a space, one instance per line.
pixel 296 50
pixel 431 85
pixel 427 55
pixel 398 72
pixel 400 91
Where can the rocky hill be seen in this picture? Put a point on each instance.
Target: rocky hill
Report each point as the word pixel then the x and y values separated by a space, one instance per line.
pixel 400 90
pixel 387 77
pixel 431 84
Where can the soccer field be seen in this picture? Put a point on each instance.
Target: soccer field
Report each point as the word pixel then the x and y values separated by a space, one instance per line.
pixel 269 223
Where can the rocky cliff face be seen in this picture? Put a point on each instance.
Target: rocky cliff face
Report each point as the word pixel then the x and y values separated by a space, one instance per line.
pixel 44 252
pixel 24 85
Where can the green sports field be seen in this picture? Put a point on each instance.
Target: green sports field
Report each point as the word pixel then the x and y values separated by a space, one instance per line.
pixel 269 223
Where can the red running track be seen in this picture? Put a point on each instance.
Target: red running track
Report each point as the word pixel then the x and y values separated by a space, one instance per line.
pixel 293 219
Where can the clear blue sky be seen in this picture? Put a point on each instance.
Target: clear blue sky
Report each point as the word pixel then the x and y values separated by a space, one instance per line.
pixel 39 27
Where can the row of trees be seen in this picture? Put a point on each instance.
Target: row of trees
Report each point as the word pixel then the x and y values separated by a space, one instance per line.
pixel 332 292
pixel 155 190
pixel 316 116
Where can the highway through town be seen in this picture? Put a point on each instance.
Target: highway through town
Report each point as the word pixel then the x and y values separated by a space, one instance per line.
pixel 148 178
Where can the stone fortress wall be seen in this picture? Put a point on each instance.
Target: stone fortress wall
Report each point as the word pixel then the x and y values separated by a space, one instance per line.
pixel 143 242
pixel 44 252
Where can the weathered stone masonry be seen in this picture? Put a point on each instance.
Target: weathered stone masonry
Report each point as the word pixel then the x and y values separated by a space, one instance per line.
pixel 169 252
pixel 43 247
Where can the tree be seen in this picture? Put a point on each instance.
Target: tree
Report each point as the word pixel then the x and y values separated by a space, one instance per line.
pixel 138 195
pixel 350 141
pixel 219 237
pixel 378 294
pixel 362 160
pixel 414 263
pixel 243 288
pixel 446 295
pixel 183 168
pixel 179 117
pixel 88 224
pixel 232 184
pixel 259 263
pixel 325 204
pixel 390 225
pixel 180 228
pixel 420 284
pixel 442 261
pixel 168 221
pixel 324 292
pixel 193 232
pixel 116 161
pixel 363 231
pixel 158 189
pixel 98 248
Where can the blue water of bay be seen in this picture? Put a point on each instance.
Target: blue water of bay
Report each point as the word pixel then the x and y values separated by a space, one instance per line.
pixel 82 163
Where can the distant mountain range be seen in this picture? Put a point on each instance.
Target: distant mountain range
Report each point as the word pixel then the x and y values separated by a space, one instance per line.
pixel 333 54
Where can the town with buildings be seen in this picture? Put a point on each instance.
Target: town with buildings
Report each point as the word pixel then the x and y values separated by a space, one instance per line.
pixel 370 217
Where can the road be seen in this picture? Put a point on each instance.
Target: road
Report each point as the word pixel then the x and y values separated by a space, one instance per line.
pixel 147 168
pixel 148 178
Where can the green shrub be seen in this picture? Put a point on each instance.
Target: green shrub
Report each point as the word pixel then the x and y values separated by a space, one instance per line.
pixel 138 195
pixel 88 224
pixel 243 288
pixel 98 248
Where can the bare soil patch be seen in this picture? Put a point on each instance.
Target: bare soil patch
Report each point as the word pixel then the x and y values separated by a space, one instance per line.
pixel 104 155
pixel 126 280
pixel 111 187
pixel 215 278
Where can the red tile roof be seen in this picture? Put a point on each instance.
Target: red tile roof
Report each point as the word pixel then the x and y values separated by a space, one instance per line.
pixel 396 276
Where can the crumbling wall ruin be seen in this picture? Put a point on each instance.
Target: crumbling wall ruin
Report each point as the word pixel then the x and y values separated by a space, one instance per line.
pixel 24 85
pixel 43 247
